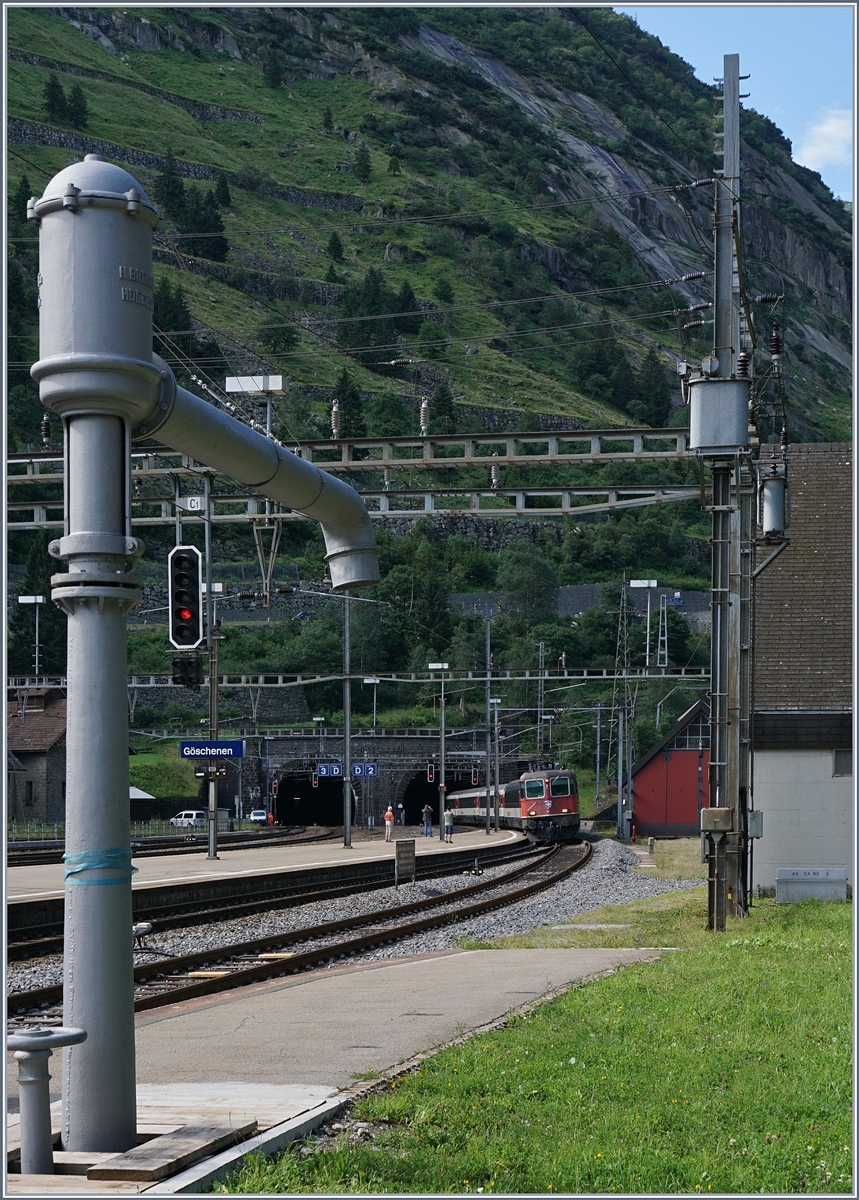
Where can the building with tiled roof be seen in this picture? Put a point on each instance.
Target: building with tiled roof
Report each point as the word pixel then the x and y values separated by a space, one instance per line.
pixel 803 673
pixel 36 736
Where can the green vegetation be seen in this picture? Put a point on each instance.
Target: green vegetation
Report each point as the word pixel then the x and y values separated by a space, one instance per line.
pixel 723 1068
pixel 163 774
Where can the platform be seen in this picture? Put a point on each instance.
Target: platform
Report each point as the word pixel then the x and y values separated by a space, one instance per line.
pixel 46 881
pixel 317 1035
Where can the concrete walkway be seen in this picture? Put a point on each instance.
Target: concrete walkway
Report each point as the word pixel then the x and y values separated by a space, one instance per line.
pixel 328 1027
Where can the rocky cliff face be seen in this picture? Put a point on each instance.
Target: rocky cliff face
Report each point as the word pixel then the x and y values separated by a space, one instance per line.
pixel 796 240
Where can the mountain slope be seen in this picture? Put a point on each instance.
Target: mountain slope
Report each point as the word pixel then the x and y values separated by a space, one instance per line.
pixel 474 160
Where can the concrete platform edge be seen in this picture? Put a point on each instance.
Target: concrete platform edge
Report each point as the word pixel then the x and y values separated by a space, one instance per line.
pixel 195 1179
pixel 279 1136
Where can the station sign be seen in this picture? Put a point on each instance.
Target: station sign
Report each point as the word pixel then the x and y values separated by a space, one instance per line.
pixel 202 750
pixel 329 770
pixel 365 768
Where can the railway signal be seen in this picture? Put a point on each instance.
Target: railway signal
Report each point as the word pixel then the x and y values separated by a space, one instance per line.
pixel 185 597
pixel 430 772
pixel 188 672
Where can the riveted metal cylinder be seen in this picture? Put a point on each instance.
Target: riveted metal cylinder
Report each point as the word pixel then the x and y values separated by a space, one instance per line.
pixel 95 291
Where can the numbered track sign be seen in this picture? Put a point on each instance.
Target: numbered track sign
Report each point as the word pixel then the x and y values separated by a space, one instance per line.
pixel 329 770
pixel 365 768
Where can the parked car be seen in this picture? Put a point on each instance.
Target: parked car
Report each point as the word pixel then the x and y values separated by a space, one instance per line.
pixel 193 818
pixel 258 817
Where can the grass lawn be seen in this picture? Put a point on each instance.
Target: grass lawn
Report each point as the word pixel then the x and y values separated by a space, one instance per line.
pixel 724 1068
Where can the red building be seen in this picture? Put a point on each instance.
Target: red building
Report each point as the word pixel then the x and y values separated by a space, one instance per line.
pixel 670 783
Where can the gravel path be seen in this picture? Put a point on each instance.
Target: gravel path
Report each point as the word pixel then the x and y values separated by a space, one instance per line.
pixel 607 880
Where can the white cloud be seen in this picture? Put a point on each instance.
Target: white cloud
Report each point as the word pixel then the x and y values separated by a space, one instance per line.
pixel 828 142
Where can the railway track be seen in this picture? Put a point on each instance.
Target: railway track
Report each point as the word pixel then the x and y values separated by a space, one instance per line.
pixel 227 967
pixel 187 844
pixel 288 892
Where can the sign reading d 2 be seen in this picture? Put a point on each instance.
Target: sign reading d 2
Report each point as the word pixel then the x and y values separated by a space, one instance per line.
pixel 365 768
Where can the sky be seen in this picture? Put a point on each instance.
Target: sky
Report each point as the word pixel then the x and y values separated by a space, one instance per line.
pixel 799 56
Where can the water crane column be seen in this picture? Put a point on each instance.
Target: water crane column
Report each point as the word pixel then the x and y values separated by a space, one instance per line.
pixel 96 371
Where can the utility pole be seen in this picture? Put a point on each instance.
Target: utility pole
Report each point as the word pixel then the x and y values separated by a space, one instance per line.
pixel 599 738
pixel 347 726
pixel 541 688
pixel 212 639
pixel 719 433
pixel 488 719
pixel 442 788
pixel 497 787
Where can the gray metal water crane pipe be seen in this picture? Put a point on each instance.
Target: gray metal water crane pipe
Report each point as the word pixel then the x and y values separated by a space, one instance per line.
pixel 96 370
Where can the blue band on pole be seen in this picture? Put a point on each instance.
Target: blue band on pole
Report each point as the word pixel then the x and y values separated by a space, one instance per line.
pixel 98 860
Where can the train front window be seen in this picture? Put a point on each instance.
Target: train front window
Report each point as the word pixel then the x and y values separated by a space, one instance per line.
pixel 559 787
pixel 534 789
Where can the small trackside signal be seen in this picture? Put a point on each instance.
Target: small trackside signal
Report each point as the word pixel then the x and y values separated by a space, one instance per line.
pixel 430 772
pixel 473 776
pixel 315 780
pixel 185 597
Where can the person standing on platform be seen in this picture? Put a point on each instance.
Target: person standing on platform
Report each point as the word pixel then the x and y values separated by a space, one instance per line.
pixel 448 825
pixel 389 824
pixel 426 813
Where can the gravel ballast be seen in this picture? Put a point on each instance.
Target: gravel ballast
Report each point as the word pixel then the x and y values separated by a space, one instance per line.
pixel 608 879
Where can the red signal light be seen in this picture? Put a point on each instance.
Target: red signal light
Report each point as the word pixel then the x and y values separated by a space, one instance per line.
pixel 185 614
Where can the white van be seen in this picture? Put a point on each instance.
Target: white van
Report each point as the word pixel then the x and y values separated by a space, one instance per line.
pixel 194 818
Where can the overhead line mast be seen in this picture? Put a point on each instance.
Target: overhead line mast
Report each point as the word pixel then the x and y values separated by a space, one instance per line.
pixel 720 394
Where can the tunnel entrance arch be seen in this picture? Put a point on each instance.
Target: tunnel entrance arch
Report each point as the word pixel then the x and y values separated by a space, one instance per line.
pixel 300 803
pixel 415 791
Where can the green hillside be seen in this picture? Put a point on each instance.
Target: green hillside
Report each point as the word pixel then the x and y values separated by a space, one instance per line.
pixel 484 172
pixel 506 198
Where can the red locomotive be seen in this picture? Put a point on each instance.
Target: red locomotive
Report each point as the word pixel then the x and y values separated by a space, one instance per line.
pixel 543 804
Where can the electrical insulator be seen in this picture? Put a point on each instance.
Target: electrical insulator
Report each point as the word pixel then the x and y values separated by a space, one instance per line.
pixel 494 472
pixel 335 420
pixel 285 591
pixel 776 345
pixel 698 183
pixel 694 275
pixel 430 772
pixel 699 307
pixel 46 430
pixel 744 362
pixel 768 298
pixel 424 417
pixel 388 474
pixel 694 325
pixel 245 595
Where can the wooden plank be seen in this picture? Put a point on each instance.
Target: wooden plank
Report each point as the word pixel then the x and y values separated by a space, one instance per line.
pixel 169 1154
pixel 69 1185
pixel 78 1162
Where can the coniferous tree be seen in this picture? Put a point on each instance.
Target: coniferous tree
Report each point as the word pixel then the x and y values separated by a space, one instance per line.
pixel 442 411
pixel 363 165
pixel 171 317
pixel 327 120
pixel 17 202
pixel 56 105
pixel 335 247
pixel 442 291
pixel 653 401
pixel 52 621
pixel 279 339
pixel 371 297
pixel 202 217
pixel 222 191
pixel 394 165
pixel 77 108
pixel 407 303
pixel 169 190
pixel 348 397
pixel 273 69
pixel 388 416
